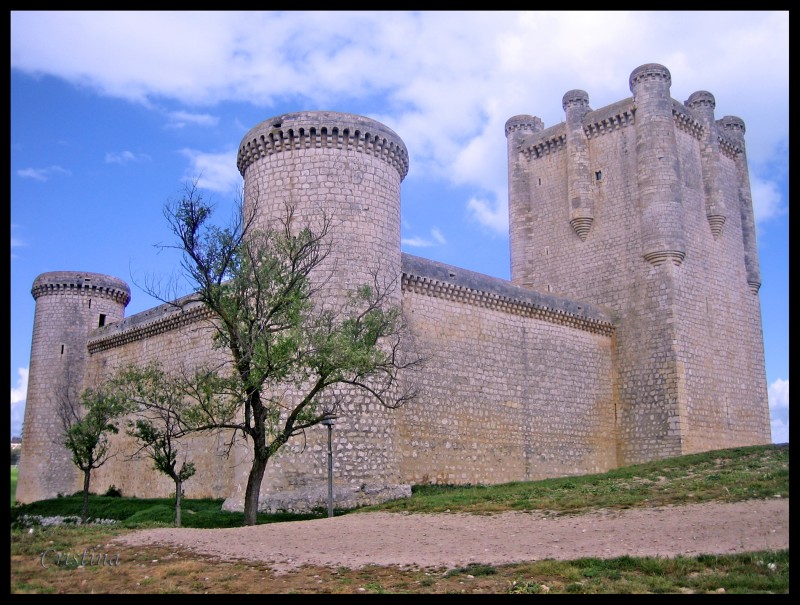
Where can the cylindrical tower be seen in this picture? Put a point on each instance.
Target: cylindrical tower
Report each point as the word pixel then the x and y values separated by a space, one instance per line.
pixel 658 175
pixel 702 103
pixel 518 128
pixel 734 128
pixel 579 182
pixel 69 305
pixel 346 169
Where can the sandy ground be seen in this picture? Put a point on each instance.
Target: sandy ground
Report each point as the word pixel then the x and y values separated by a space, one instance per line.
pixel 456 540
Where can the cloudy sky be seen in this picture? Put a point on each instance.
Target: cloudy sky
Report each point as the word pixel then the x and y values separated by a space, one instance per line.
pixel 112 112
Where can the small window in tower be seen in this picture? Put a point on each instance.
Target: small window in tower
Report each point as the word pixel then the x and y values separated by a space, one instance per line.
pixel 598 175
pixel 90 303
pixel 62 349
pixel 102 321
pixel 540 181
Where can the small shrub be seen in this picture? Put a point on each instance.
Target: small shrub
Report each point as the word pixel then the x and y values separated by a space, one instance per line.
pixel 113 492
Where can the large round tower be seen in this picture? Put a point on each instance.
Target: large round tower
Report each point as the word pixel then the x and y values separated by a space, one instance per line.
pixel 345 169
pixel 69 305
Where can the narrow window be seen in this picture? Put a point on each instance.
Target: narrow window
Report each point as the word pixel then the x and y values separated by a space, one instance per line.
pixel 90 303
pixel 598 175
pixel 62 349
pixel 540 182
pixel 102 320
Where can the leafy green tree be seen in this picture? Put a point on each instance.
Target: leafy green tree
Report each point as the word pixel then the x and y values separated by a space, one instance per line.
pixel 86 426
pixel 158 400
pixel 261 288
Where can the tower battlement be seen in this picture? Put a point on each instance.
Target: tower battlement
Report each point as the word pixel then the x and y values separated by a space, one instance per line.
pixel 320 129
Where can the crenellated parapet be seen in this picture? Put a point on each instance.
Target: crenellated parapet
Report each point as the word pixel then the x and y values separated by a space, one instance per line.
pixel 550 140
pixel 72 283
pixel 320 130
pixel 609 119
pixel 147 324
pixel 430 278
pixel 686 121
pixel 650 73
pixel 523 124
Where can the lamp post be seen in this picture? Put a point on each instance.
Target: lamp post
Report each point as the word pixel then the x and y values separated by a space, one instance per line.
pixel 329 423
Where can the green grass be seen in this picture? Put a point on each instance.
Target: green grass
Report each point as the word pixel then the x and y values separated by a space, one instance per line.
pixel 147 512
pixel 726 475
pixel 14 475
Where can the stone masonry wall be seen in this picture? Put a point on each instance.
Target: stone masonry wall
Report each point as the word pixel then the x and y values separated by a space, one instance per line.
pixel 689 347
pixel 505 396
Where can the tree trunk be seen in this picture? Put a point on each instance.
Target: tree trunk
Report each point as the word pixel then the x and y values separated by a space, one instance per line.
pixel 85 513
pixel 178 489
pixel 254 489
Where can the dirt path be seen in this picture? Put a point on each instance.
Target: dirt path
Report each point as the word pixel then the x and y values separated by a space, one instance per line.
pixel 455 540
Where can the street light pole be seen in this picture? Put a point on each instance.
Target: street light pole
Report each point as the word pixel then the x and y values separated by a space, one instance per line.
pixel 329 423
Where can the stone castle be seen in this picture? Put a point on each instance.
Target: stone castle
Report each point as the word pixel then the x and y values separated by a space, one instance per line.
pixel 630 329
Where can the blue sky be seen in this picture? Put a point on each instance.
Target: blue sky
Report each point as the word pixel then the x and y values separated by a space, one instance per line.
pixel 112 112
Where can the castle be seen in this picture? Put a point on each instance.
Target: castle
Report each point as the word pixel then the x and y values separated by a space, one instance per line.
pixel 630 329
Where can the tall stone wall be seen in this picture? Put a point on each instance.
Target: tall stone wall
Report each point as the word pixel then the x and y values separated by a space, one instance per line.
pixel 518 384
pixel 664 250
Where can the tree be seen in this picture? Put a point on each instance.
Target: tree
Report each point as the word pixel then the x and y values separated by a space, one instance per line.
pixel 158 400
pixel 85 430
pixel 262 287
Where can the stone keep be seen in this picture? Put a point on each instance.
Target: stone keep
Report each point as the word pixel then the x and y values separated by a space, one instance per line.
pixel 630 329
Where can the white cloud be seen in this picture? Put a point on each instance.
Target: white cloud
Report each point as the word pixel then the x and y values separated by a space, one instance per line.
pixel 447 80
pixel 778 395
pixel 42 174
pixel 124 157
pixel 493 215
pixel 179 119
pixel 18 394
pixel 214 171
pixel 780 430
pixel 420 242
pixel 767 200
pixel 15 241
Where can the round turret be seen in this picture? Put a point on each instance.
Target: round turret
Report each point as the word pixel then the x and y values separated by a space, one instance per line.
pixel 734 126
pixel 346 168
pixel 701 99
pixel 657 168
pixel 523 123
pixel 649 73
pixel 575 98
pixel 69 305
